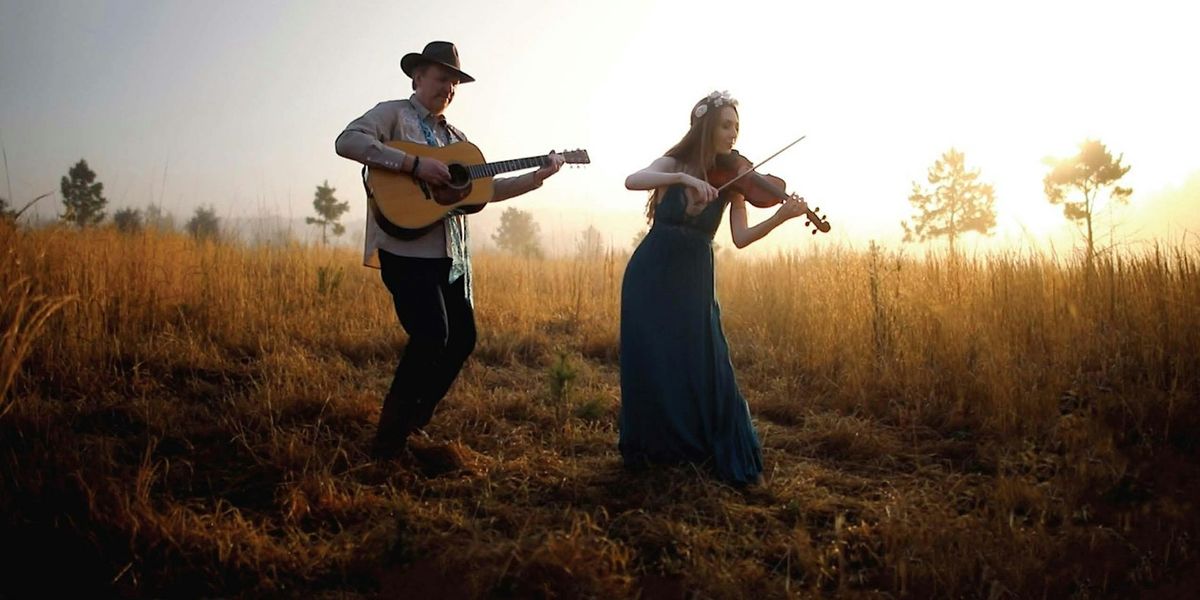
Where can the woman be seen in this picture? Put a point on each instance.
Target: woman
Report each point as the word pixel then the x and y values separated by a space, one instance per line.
pixel 679 398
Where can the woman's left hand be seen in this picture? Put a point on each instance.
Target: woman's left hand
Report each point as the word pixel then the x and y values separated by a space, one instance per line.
pixel 793 207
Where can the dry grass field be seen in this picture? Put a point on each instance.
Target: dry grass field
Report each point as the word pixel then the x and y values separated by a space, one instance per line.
pixel 181 419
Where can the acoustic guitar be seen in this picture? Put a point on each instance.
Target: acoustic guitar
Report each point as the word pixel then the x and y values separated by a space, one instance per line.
pixel 406 206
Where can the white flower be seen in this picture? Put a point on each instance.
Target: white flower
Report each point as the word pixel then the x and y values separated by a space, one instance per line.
pixel 715 100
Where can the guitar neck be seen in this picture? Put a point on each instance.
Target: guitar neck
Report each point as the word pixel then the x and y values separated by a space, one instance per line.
pixel 504 166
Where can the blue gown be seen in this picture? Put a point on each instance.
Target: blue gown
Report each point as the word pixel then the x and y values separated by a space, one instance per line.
pixel 679 398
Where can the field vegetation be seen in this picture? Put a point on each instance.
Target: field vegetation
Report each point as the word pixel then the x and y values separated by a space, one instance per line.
pixel 190 418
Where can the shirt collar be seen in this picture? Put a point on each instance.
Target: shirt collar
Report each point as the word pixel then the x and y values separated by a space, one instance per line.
pixel 423 113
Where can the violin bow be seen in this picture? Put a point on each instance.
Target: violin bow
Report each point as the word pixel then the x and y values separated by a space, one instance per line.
pixel 762 162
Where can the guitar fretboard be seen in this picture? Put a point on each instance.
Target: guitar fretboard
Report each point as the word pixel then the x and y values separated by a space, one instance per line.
pixel 504 166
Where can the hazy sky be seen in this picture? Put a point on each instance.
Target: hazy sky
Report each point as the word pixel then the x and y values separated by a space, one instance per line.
pixel 237 104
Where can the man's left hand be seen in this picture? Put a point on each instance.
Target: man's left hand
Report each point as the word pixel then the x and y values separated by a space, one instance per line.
pixel 556 162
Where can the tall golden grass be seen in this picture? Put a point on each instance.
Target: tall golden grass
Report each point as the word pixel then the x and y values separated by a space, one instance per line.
pixel 186 418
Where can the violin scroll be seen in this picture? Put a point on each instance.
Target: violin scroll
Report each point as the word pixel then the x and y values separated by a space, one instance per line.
pixel 816 220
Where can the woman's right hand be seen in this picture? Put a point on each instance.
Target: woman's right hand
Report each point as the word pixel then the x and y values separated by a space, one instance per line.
pixel 701 191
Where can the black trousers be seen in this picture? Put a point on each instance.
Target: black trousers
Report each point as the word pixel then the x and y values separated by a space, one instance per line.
pixel 441 335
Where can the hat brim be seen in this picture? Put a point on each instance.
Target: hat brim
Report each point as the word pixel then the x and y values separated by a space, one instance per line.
pixel 413 59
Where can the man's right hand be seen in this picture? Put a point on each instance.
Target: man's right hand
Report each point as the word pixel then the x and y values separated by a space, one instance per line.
pixel 432 170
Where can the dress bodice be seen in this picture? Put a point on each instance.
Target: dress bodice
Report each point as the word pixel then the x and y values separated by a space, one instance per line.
pixel 672 211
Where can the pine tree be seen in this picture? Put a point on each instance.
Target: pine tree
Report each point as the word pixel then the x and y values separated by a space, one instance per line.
pixel 638 237
pixel 1089 173
pixel 519 234
pixel 329 211
pixel 204 225
pixel 128 220
pixel 157 218
pixel 82 196
pixel 956 204
pixel 590 244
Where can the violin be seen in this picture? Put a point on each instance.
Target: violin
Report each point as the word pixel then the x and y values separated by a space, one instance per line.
pixel 763 191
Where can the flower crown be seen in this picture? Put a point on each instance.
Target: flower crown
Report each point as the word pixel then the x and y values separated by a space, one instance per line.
pixel 715 100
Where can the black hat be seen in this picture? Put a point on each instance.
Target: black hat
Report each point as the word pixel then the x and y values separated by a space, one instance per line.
pixel 442 53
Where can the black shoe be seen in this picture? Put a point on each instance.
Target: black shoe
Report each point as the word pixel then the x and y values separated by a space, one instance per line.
pixel 390 449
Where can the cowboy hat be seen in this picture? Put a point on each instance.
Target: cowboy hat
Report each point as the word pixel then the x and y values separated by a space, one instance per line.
pixel 441 53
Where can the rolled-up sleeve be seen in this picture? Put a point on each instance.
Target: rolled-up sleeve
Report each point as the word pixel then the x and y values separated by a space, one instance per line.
pixel 363 139
pixel 510 187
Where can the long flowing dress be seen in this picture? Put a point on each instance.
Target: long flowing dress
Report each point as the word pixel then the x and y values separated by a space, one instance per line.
pixel 680 401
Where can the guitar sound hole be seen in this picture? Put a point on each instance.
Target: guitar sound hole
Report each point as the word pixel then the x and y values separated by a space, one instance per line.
pixel 459 176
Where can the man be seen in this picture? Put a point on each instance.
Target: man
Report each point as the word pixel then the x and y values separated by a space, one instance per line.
pixel 429 276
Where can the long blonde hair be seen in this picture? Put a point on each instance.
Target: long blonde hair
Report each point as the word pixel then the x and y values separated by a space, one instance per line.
pixel 694 152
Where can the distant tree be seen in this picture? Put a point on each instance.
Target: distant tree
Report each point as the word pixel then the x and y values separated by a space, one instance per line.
pixel 329 211
pixel 590 244
pixel 156 218
pixel 5 213
pixel 956 203
pixel 204 225
pixel 128 220
pixel 519 234
pixel 82 196
pixel 1088 173
pixel 638 237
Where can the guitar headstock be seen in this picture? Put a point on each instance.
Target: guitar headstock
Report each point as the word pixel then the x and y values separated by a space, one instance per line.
pixel 576 157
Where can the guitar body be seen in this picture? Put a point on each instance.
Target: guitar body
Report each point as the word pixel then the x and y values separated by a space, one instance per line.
pixel 406 207
pixel 412 206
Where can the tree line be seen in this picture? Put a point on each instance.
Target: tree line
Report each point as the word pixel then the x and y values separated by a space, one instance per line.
pixel 954 201
pixel 84 205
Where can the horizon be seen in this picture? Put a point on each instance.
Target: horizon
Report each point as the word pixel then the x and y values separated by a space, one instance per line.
pixel 235 107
